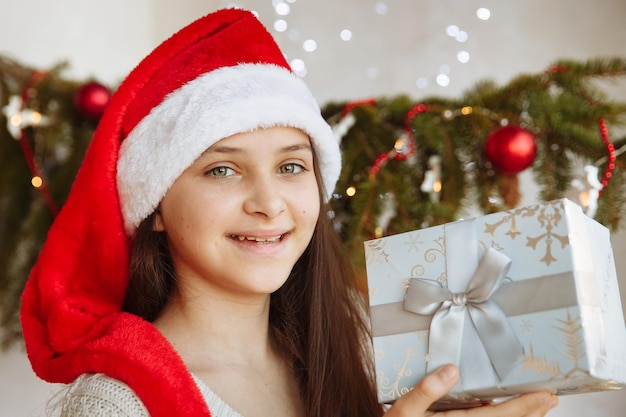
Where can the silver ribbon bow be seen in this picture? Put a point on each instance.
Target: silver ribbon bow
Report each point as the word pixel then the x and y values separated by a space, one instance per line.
pixel 449 311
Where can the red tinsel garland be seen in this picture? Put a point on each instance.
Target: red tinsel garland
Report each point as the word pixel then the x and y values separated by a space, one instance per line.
pixel 28 152
pixel 610 166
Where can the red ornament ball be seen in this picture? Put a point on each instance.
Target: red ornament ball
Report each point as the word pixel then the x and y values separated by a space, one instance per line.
pixel 91 99
pixel 511 149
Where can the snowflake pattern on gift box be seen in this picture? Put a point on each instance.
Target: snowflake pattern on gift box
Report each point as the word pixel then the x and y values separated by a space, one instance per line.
pixel 526 325
pixel 413 242
pixel 548 216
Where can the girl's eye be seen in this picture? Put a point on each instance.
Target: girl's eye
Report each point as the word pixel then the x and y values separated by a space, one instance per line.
pixel 221 172
pixel 291 168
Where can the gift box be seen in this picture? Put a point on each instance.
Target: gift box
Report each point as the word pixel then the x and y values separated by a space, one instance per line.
pixel 521 300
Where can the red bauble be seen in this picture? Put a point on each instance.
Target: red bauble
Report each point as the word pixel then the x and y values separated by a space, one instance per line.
pixel 511 149
pixel 91 99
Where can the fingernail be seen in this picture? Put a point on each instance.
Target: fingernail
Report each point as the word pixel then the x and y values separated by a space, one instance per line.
pixel 448 372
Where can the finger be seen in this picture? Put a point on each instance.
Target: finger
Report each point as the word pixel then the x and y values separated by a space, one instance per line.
pixel 431 388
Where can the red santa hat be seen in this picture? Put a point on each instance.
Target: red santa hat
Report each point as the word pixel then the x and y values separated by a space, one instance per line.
pixel 219 76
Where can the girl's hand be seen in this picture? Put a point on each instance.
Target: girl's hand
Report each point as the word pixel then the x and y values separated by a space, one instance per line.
pixel 440 382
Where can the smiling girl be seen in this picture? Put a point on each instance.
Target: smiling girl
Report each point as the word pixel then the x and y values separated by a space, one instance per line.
pixel 193 270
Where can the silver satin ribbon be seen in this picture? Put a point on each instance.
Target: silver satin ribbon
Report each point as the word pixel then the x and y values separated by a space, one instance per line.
pixel 450 311
pixel 549 292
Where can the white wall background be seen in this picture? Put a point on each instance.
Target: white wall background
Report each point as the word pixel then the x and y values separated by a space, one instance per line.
pixel 387 53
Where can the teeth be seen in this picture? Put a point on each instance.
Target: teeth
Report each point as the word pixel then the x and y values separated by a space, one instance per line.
pixel 257 239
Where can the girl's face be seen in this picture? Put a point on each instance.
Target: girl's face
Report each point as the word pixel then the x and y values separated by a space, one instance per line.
pixel 238 219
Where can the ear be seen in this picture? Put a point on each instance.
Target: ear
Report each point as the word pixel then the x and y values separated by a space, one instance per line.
pixel 157 223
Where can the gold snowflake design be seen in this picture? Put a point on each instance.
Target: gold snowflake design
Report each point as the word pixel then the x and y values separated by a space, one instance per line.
pixel 549 216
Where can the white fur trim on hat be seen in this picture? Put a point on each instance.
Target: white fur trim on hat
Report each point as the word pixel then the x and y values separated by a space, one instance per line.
pixel 214 106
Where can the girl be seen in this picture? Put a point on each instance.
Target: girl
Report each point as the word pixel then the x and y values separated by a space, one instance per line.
pixel 194 270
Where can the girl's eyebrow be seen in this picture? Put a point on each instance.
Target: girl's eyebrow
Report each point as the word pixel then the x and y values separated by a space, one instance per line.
pixel 296 147
pixel 221 149
pixel 234 150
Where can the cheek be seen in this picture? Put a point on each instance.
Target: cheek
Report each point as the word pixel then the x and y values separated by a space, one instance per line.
pixel 190 233
pixel 310 211
pixel 181 221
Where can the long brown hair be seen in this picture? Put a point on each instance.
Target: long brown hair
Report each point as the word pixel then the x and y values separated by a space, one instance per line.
pixel 318 316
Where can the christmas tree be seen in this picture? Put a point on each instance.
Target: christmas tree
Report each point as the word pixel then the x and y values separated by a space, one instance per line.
pixel 407 164
pixel 47 124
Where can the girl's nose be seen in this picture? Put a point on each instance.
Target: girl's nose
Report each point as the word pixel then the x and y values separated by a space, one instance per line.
pixel 264 198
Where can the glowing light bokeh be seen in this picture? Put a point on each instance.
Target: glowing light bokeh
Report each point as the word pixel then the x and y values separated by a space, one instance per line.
pixel 309 45
pixel 381 8
pixel 463 57
pixel 280 25
pixel 483 13
pixel 372 72
pixel 452 30
pixel 443 80
pixel 282 9
pixel 345 35
pixel 298 67
pixel 462 36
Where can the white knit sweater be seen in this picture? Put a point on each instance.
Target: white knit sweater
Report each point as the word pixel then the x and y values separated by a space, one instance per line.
pixel 97 395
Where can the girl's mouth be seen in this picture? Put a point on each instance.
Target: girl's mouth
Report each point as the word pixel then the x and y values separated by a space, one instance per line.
pixel 257 240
